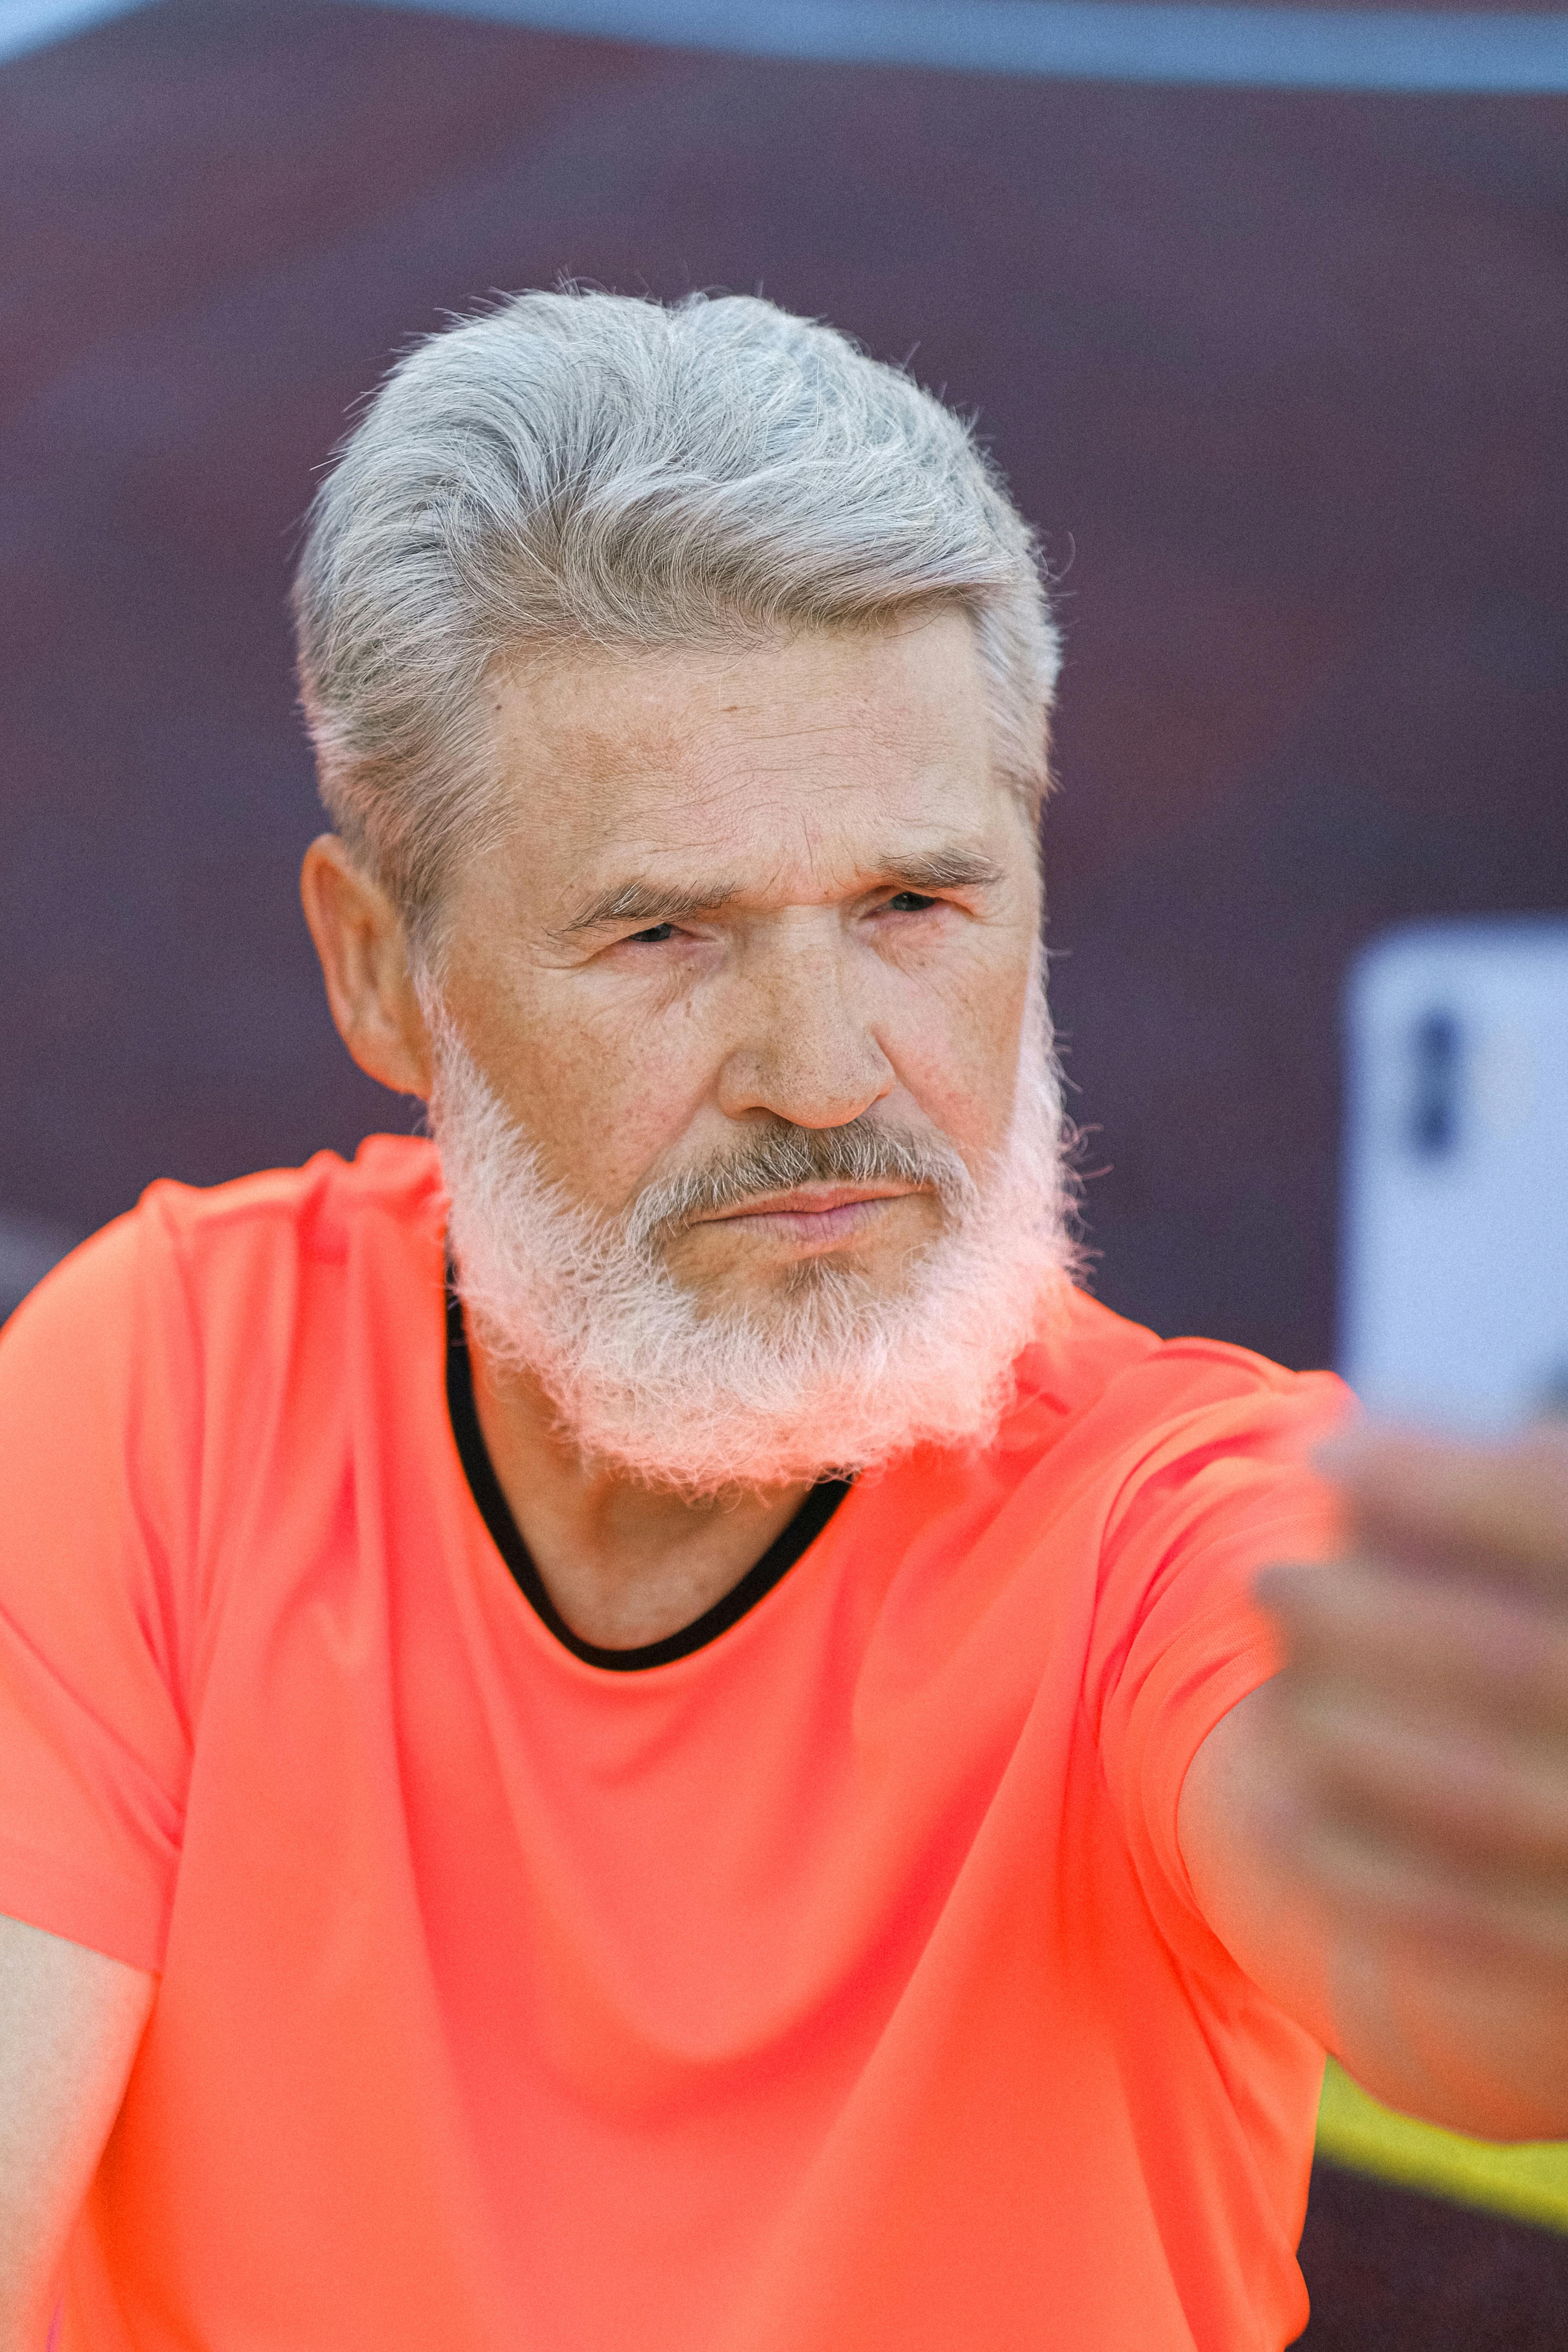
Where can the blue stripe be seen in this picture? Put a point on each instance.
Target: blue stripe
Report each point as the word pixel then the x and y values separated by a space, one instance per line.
pixel 1092 40
pixel 33 23
pixel 1081 41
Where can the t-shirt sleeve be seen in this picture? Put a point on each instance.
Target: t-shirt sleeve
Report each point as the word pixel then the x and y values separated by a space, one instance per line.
pixel 98 1394
pixel 1179 1639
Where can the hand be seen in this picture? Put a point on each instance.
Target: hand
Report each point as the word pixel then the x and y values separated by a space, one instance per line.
pixel 1378 1835
pixel 1417 1736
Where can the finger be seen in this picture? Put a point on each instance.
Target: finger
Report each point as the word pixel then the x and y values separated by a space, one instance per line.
pixel 1486 1651
pixel 1500 1511
pixel 1399 1892
pixel 1485 1799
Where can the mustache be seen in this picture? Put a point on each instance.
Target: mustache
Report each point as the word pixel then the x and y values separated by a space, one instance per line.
pixel 781 1157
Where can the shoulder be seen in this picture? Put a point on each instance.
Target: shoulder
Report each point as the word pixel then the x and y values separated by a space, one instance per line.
pixel 309 1215
pixel 1154 1451
pixel 194 1276
pixel 1103 1380
pixel 313 1215
pixel 179 1374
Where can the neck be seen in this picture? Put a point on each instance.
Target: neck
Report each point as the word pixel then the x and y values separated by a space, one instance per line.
pixel 625 1563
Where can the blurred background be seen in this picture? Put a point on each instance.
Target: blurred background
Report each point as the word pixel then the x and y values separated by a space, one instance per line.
pixel 1279 371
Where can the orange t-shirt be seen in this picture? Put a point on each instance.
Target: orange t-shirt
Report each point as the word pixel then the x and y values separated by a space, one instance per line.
pixel 836 1987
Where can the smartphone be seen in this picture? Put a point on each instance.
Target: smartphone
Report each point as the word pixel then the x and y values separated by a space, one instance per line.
pixel 1454 1233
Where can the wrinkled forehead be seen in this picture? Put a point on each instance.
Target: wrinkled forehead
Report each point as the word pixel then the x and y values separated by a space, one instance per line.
pixel 799 757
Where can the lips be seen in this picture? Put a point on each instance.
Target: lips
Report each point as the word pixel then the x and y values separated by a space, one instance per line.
pixel 812 1200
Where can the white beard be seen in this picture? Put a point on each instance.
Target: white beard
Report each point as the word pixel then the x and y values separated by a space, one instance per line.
pixel 834 1374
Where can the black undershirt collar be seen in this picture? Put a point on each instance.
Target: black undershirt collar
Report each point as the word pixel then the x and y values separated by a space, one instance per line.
pixel 494 1509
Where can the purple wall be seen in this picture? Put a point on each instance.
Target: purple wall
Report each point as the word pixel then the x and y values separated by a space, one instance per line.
pixel 1282 377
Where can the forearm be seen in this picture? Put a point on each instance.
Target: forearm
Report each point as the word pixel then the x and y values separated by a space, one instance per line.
pixel 70 2020
pixel 1461 2039
pixel 28 2330
pixel 1380 1835
pixel 1424 2012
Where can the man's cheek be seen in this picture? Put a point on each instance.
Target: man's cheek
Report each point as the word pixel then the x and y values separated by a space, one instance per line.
pixel 961 1080
pixel 620 1133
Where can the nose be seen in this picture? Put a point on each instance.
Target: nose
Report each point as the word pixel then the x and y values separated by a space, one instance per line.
pixel 805 1050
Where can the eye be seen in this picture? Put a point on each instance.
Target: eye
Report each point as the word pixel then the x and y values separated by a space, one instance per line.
pixel 908 902
pixel 653 937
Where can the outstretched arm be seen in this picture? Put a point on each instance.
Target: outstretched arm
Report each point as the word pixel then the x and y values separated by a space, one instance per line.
pixel 1380 1834
pixel 69 2024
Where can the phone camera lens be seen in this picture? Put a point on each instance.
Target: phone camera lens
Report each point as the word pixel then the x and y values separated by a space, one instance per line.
pixel 1435 1105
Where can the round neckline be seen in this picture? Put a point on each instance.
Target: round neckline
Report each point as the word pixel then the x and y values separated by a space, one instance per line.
pixel 497 1514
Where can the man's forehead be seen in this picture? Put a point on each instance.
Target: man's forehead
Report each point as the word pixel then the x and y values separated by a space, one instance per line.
pixel 788 702
pixel 712 752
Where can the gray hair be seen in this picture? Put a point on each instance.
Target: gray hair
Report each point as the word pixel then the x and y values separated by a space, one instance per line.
pixel 594 469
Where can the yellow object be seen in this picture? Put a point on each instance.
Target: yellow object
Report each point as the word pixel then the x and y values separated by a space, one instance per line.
pixel 1528 2180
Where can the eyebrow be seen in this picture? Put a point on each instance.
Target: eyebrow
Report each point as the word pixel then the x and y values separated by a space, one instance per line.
pixel 945 869
pixel 648 903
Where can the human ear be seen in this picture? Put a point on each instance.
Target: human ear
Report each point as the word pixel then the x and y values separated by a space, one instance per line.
pixel 360 940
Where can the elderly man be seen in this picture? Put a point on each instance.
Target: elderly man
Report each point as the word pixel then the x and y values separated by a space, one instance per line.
pixel 637 1726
